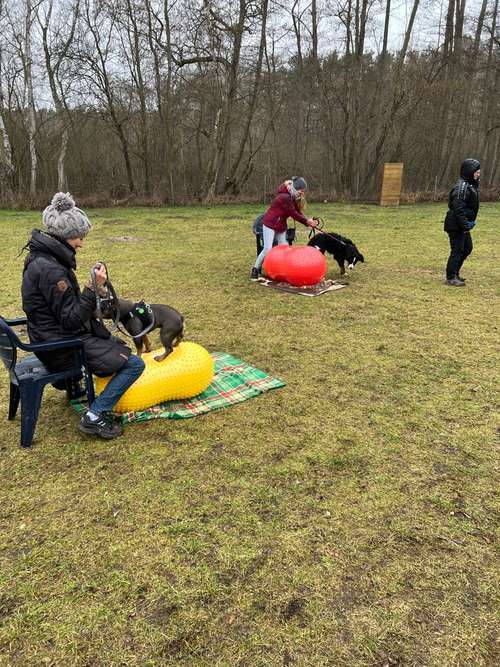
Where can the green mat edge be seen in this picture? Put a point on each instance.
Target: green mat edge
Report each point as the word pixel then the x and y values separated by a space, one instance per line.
pixel 170 409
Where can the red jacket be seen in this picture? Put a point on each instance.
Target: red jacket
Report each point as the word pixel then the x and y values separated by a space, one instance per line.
pixel 284 206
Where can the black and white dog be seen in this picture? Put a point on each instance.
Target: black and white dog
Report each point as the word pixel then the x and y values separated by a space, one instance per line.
pixel 342 249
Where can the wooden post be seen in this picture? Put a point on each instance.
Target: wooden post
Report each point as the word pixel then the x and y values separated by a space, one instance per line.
pixel 391 184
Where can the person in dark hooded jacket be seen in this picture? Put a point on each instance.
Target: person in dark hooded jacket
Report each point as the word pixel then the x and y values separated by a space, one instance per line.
pixel 274 222
pixel 463 206
pixel 56 308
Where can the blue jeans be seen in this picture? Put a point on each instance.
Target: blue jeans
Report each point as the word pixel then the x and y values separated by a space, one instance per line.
pixel 116 387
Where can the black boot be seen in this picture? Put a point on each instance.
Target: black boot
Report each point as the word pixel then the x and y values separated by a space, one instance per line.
pixel 104 426
pixel 255 273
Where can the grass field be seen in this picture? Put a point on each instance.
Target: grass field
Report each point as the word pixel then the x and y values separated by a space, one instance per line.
pixel 350 518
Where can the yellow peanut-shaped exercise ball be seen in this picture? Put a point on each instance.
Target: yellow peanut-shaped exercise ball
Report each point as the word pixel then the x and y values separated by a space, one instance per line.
pixel 186 372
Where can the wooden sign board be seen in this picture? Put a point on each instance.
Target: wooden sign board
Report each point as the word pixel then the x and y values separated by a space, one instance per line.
pixel 391 184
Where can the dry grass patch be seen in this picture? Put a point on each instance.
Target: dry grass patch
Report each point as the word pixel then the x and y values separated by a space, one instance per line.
pixel 350 518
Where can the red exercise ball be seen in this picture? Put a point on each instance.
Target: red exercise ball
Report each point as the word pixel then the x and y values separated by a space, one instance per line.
pixel 275 262
pixel 305 266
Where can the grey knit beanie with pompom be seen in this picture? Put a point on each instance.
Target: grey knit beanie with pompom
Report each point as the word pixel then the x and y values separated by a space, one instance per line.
pixel 63 219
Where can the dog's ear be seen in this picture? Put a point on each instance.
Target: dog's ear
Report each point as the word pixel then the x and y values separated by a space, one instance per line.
pixel 361 258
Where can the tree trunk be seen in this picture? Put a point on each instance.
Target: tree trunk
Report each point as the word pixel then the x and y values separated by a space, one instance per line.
pixel 236 181
pixel 479 30
pixel 226 112
pixel 396 96
pixel 6 161
pixel 28 82
pixel 383 55
pixel 459 30
pixel 135 67
pixel 62 183
pixel 52 69
pixel 314 31
pixel 98 66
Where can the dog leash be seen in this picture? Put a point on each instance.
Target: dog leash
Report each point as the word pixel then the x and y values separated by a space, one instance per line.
pixel 314 230
pixel 110 301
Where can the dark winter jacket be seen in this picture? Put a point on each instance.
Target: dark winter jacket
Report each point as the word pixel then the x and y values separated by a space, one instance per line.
pixel 257 224
pixel 56 308
pixel 463 200
pixel 284 206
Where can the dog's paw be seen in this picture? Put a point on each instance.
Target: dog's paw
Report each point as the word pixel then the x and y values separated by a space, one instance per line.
pixel 161 357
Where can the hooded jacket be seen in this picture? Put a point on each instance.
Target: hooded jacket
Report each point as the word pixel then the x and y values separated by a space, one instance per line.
pixel 284 206
pixel 463 200
pixel 56 308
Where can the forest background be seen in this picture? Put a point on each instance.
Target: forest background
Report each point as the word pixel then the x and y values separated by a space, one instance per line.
pixel 173 101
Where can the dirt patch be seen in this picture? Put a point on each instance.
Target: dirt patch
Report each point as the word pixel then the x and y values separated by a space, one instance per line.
pixel 7 605
pixel 179 647
pixel 293 608
pixel 125 239
pixel 161 613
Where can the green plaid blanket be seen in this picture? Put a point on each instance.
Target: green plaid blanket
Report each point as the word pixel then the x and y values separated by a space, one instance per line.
pixel 234 382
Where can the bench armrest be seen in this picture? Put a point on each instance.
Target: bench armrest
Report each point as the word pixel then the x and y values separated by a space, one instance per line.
pixel 15 322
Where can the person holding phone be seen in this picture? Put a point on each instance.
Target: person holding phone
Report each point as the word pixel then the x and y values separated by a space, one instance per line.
pixel 56 308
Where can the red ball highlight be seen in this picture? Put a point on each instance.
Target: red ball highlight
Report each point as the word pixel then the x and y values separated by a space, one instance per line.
pixel 305 266
pixel 275 261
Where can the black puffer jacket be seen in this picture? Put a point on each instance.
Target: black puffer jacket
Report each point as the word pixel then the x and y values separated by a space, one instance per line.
pixel 56 308
pixel 463 200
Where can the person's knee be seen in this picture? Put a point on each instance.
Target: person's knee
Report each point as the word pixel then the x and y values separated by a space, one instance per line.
pixel 136 364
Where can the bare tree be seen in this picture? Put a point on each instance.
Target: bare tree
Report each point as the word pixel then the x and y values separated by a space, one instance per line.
pixel 96 54
pixel 172 99
pixel 225 112
pixel 25 51
pixel 6 163
pixel 56 46
pixel 237 179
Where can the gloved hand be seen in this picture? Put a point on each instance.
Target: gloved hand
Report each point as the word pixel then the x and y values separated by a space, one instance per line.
pixel 471 224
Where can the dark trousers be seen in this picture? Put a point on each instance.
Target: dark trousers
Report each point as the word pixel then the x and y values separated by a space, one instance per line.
pixel 260 243
pixel 259 240
pixel 461 247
